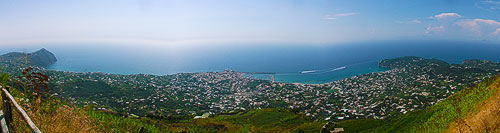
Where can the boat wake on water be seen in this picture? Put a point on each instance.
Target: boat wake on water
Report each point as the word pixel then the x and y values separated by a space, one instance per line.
pixel 310 71
pixel 322 71
pixel 336 69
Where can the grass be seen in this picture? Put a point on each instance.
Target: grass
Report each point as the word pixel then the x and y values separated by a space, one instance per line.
pixel 53 115
pixel 262 120
pixel 272 120
pixel 50 115
pixel 108 122
pixel 355 126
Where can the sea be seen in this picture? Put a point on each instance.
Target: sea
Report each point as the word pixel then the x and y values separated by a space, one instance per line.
pixel 291 63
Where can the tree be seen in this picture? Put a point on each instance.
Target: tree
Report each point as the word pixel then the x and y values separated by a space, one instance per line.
pixel 35 82
pixel 3 78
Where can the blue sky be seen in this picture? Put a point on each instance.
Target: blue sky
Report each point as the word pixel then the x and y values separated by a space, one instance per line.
pixel 257 21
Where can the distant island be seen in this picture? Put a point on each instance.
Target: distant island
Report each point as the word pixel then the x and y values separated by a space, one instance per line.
pixel 42 58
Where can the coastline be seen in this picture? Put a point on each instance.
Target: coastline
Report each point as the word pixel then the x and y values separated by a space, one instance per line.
pixel 325 76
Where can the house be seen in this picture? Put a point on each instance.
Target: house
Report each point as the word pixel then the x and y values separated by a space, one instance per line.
pixel 205 115
pixel 337 130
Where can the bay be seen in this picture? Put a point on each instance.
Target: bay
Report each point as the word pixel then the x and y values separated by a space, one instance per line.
pixel 292 63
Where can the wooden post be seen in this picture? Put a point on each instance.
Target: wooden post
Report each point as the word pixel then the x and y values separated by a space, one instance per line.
pixel 3 124
pixel 7 110
pixel 141 130
pixel 21 112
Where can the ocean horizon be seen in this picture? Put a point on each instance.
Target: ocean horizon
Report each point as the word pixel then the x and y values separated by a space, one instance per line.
pixel 292 64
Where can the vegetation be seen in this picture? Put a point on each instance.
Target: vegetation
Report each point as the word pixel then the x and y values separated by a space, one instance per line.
pixel 3 78
pixel 40 58
pixel 111 122
pixel 50 114
pixel 436 118
pixel 53 115
pixel 360 125
pixel 272 120
pixel 261 120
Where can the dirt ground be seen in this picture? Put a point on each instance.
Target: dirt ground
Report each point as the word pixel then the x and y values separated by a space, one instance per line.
pixel 486 120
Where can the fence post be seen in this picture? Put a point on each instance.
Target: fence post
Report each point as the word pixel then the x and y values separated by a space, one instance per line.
pixel 7 110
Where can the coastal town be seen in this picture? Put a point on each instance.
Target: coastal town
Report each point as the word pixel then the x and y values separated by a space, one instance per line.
pixel 410 84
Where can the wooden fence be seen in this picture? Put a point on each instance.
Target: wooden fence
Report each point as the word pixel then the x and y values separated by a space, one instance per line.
pixel 6 113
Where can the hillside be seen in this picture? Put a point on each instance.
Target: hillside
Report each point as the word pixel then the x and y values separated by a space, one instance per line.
pixel 474 109
pixel 40 58
pixel 404 97
pixel 415 85
pixel 441 67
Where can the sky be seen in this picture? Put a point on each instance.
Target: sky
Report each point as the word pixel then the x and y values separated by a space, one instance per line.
pixel 171 22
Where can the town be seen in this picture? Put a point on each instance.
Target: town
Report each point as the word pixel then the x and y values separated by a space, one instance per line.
pixel 411 83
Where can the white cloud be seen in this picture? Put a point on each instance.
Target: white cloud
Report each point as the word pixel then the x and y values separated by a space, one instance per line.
pixel 339 15
pixel 446 16
pixel 497 32
pixel 488 4
pixel 434 29
pixel 491 2
pixel 480 26
pixel 416 21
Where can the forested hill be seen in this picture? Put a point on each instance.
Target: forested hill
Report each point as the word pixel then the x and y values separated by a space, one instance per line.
pixel 442 66
pixel 438 68
pixel 407 61
pixel 40 58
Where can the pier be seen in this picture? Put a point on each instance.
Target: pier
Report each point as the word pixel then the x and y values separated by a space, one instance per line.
pixel 270 74
pixel 260 72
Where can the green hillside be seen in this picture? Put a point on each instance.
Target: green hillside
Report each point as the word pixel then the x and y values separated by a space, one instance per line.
pixel 446 116
pixel 473 109
pixel 443 116
pixel 68 118
pixel 272 120
pixel 261 120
